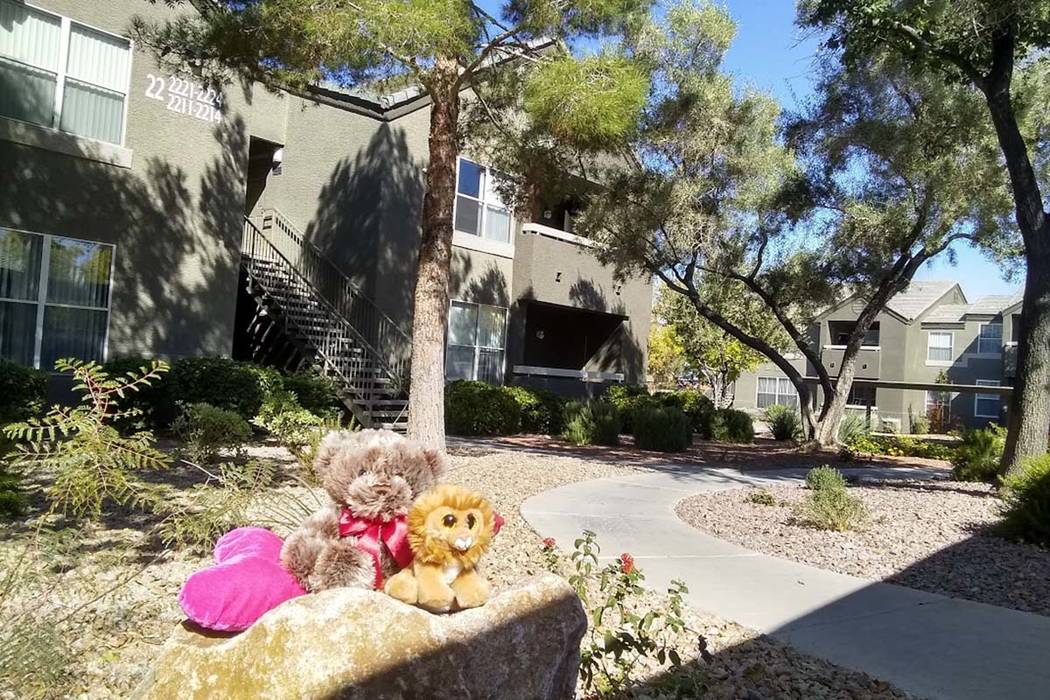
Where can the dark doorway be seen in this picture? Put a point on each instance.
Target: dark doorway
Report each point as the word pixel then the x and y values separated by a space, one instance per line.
pixel 564 337
pixel 264 161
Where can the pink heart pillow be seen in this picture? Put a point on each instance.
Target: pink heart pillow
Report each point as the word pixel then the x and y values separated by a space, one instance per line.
pixel 246 582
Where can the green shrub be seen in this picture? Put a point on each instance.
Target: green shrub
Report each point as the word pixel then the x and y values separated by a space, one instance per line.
pixel 662 428
pixel 761 497
pixel 541 409
pixel 698 407
pixel 223 383
pixel 477 408
pixel 23 392
pixel 207 430
pixel 318 395
pixel 626 398
pixel 154 402
pixel 592 423
pixel 899 446
pixel 730 425
pixel 784 422
pixel 920 425
pixel 976 457
pixel 853 427
pixel 824 478
pixel 833 509
pixel 1026 502
pixel 13 500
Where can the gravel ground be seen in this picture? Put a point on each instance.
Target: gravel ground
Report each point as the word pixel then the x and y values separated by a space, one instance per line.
pixel 114 638
pixel 930 535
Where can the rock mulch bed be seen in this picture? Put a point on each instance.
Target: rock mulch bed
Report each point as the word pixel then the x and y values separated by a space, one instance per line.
pixel 935 536
pixel 116 637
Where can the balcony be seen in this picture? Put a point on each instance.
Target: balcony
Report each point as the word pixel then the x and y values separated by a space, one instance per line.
pixel 869 360
pixel 1010 360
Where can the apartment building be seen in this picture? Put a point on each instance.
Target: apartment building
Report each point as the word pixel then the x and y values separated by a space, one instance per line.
pixel 145 214
pixel 928 334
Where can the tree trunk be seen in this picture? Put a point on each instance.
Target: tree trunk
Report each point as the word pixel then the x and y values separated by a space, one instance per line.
pixel 835 405
pixel 426 401
pixel 1029 415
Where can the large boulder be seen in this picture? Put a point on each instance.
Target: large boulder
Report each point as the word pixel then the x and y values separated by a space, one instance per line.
pixel 350 643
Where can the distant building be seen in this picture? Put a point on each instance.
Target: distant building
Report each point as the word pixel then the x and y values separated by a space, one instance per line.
pixel 927 330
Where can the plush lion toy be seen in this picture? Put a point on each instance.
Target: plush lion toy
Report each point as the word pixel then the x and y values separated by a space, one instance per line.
pixel 449 528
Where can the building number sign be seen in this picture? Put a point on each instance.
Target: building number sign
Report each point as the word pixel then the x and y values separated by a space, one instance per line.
pixel 186 97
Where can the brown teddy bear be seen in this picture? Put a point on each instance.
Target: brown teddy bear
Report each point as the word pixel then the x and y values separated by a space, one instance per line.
pixel 360 539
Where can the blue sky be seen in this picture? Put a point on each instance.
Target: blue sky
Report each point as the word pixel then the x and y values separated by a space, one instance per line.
pixel 770 54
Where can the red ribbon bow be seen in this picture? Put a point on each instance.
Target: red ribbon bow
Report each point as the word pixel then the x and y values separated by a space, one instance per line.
pixel 373 534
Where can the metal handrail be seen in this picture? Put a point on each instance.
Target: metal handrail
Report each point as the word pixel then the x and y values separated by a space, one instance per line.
pixel 370 327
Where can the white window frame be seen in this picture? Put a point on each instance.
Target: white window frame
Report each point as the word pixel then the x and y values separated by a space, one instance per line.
pixel 791 391
pixel 986 397
pixel 951 348
pixel 42 303
pixel 477 241
pixel 63 67
pixel 478 347
pixel 998 348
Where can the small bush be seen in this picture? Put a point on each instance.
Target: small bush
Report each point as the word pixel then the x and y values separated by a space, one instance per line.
pixel 761 497
pixel 976 458
pixel 920 425
pixel 833 509
pixel 318 395
pixel 662 428
pixel 853 427
pixel 825 478
pixel 784 422
pixel 223 383
pixel 1026 502
pixel 730 425
pixel 207 430
pixel 626 398
pixel 591 423
pixel 541 409
pixel 899 446
pixel 698 407
pixel 13 500
pixel 23 392
pixel 477 408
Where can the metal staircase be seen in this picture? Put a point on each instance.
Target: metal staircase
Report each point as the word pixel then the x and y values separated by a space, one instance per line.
pixel 343 333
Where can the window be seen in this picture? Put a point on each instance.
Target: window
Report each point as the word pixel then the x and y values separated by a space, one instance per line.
pixel 861 395
pixel 54 298
pixel 61 74
pixel 479 209
pixel 990 338
pixel 939 346
pixel 986 405
pixel 476 335
pixel 776 390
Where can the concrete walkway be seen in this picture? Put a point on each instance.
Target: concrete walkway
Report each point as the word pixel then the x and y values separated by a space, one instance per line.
pixel 929 645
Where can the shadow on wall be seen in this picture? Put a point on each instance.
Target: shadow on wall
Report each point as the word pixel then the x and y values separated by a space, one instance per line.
pixel 490 287
pixel 175 270
pixel 367 221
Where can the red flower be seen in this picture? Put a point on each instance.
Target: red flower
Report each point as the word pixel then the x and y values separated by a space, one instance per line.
pixel 626 563
pixel 548 543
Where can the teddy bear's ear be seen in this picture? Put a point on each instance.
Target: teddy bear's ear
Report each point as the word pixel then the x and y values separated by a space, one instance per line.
pixel 437 461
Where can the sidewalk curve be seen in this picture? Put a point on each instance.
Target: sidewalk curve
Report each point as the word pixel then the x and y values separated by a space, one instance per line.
pixel 929 645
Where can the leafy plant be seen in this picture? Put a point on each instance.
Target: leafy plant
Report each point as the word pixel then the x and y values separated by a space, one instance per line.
pixel 977 456
pixel 297 429
pixel 13 500
pixel 542 411
pixel 920 425
pixel 626 398
pixel 318 395
pixel 662 428
pixel 207 430
pixel 698 407
pixel 899 446
pixel 853 427
pixel 829 505
pixel 730 425
pixel 224 383
pixel 824 478
pixel 784 422
pixel 88 460
pixel 625 639
pixel 761 497
pixel 591 423
pixel 1026 502
pixel 477 408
